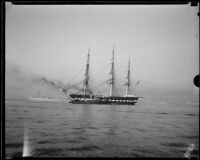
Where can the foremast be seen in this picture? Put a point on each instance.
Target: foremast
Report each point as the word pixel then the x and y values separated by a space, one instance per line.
pixel 86 80
pixel 112 82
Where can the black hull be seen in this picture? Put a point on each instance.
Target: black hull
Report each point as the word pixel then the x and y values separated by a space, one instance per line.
pixel 82 99
pixel 104 103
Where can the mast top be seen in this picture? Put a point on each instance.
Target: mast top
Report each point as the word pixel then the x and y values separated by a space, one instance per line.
pixel 113 52
pixel 88 56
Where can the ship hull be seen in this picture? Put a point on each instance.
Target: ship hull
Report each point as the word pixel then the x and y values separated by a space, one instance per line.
pixel 100 102
pixel 82 99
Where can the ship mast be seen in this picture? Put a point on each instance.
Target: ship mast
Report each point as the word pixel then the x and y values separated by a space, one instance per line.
pixel 128 79
pixel 112 74
pixel 86 80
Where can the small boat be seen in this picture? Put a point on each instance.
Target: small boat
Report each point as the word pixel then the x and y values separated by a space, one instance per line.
pixel 87 97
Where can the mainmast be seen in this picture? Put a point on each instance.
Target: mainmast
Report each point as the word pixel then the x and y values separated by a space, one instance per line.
pixel 128 79
pixel 112 74
pixel 86 80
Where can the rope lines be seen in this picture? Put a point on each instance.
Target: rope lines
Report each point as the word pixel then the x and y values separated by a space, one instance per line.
pixel 76 74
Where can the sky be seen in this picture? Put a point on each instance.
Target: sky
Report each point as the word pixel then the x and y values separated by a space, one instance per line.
pixel 52 41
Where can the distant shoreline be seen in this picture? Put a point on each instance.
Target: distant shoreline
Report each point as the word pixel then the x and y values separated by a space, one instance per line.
pixel 19 99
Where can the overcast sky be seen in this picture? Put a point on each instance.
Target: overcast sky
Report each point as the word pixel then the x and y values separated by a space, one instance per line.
pixel 162 42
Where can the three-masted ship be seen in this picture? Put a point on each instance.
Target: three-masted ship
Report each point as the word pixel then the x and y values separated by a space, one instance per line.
pixel 87 97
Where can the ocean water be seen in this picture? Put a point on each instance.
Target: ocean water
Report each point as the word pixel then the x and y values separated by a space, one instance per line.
pixel 154 127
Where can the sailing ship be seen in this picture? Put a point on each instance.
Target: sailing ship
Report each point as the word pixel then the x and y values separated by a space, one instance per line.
pixel 87 96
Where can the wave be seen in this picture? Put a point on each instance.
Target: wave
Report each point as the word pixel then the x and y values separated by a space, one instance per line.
pixel 47 152
pixel 175 144
pixel 190 114
pixel 84 148
pixel 14 145
pixel 190 136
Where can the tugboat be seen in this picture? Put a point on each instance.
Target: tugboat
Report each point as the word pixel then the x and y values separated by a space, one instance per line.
pixel 87 97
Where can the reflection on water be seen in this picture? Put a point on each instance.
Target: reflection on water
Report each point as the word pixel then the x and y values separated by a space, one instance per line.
pixel 151 129
pixel 26 144
pixel 112 122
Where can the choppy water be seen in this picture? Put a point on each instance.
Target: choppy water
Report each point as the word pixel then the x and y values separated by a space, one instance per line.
pixel 155 127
